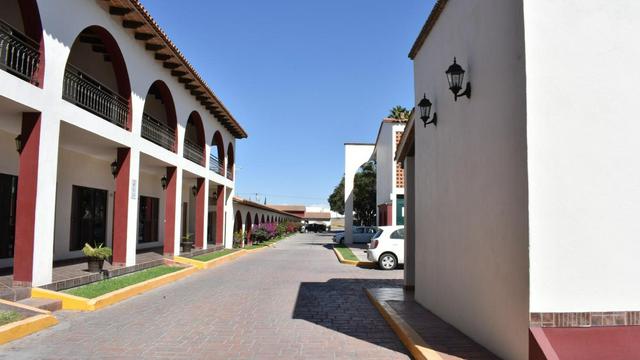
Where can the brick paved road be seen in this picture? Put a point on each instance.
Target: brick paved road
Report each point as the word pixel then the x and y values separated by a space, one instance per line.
pixel 294 301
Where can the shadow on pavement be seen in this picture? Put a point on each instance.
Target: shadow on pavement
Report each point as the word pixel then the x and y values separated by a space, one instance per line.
pixel 342 305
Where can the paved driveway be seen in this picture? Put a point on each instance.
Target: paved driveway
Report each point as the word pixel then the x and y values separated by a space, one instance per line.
pixel 294 301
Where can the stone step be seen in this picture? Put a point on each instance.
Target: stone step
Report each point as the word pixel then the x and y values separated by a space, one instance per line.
pixel 15 294
pixel 44 304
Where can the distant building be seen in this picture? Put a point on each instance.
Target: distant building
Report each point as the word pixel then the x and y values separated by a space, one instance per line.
pixel 310 214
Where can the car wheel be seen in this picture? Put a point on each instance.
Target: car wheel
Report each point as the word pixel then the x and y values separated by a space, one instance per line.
pixel 387 262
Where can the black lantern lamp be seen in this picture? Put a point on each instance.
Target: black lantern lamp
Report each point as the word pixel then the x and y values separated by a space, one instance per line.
pixel 194 190
pixel 163 182
pixel 425 112
pixel 114 169
pixel 455 76
pixel 18 140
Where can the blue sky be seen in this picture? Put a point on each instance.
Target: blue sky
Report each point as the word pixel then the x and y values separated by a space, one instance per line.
pixel 302 77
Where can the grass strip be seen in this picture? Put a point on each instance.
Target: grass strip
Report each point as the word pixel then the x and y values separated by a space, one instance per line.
pixel 346 252
pixel 9 316
pixel 106 286
pixel 213 255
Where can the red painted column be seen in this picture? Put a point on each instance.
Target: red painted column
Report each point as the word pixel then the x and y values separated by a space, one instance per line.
pixel 201 202
pixel 170 212
pixel 220 216
pixel 26 200
pixel 121 207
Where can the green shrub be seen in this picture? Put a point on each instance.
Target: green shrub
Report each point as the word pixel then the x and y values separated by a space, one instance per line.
pixel 99 252
pixel 259 235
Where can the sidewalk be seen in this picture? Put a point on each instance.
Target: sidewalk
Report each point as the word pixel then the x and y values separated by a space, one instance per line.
pixel 423 333
pixel 359 250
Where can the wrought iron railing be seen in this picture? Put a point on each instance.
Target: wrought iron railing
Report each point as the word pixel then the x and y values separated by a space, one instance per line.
pixel 19 54
pixel 158 132
pixel 215 165
pixel 193 152
pixel 89 94
pixel 230 172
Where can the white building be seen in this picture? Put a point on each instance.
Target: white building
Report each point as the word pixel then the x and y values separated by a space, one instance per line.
pixel 121 141
pixel 522 202
pixel 250 214
pixel 389 175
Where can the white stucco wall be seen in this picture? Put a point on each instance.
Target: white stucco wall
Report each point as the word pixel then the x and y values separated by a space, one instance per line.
pixel 354 156
pixel 60 32
pixel 583 146
pixel 471 177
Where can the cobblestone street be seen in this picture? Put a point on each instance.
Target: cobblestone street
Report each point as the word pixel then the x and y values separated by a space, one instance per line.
pixel 294 301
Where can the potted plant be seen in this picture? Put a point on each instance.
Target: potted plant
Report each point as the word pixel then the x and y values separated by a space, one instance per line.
pixel 96 256
pixel 187 242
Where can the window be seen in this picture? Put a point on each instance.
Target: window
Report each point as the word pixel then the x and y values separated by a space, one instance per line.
pixel 8 193
pixel 398 234
pixel 88 217
pixel 358 230
pixel 371 230
pixel 148 219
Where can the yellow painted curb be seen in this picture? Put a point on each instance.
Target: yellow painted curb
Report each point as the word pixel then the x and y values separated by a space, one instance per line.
pixel 201 265
pixel 409 337
pixel 342 260
pixel 72 302
pixel 22 328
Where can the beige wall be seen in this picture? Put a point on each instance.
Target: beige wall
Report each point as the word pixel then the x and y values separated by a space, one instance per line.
pixel 471 177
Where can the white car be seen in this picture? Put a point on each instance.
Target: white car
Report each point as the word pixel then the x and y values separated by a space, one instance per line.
pixel 361 235
pixel 387 247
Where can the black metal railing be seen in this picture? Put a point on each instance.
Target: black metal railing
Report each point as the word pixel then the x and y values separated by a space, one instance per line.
pixel 158 132
pixel 193 152
pixel 88 93
pixel 230 172
pixel 19 54
pixel 215 165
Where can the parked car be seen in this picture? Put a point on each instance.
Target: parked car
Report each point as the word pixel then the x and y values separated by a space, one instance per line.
pixel 361 235
pixel 316 228
pixel 387 247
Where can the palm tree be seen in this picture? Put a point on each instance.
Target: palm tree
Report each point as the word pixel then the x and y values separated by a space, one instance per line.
pixel 399 112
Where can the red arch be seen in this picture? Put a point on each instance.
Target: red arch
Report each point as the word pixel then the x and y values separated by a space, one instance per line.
pixel 117 61
pixel 33 28
pixel 169 106
pixel 231 160
pixel 196 120
pixel 219 144
pixel 248 227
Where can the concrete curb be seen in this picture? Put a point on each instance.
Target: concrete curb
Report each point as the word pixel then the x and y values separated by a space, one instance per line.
pixel 409 337
pixel 203 265
pixel 30 325
pixel 72 302
pixel 342 260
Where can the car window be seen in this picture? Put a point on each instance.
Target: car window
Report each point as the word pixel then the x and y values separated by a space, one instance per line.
pixel 358 230
pixel 377 235
pixel 398 234
pixel 371 231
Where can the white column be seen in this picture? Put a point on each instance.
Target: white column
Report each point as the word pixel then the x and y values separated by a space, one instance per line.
pixel 409 223
pixel 45 201
pixel 178 213
pixel 132 216
pixel 229 218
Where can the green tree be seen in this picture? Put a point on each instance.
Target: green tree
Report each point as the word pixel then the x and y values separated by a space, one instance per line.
pixel 364 195
pixel 336 199
pixel 399 112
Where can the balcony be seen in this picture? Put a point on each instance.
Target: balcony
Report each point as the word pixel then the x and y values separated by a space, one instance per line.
pixel 82 90
pixel 19 55
pixel 230 172
pixel 158 132
pixel 215 165
pixel 193 152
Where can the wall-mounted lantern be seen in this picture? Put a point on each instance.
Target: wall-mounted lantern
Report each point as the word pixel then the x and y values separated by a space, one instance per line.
pixel 425 112
pixel 194 190
pixel 163 182
pixel 455 76
pixel 114 169
pixel 18 140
